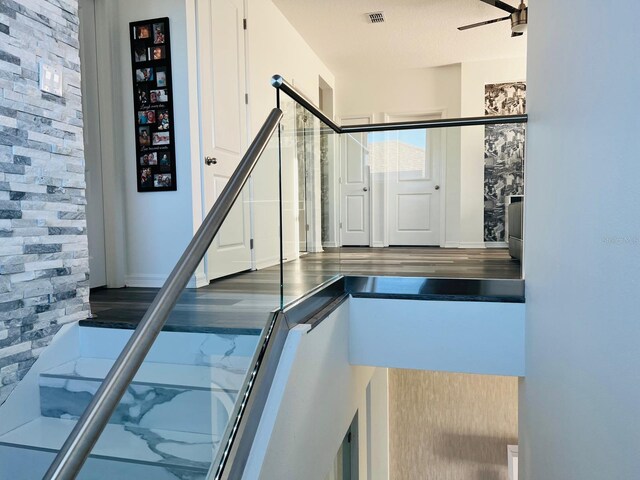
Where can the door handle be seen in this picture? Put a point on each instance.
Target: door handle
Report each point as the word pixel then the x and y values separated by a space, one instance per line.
pixel 210 160
pixel 365 189
pixel 437 187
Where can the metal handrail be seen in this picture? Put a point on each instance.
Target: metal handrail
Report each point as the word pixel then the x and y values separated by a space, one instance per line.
pixel 282 85
pixel 85 434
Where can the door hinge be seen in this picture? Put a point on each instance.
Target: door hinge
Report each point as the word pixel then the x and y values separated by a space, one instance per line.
pixel 244 23
pixel 251 244
pixel 340 224
pixel 349 437
pixel 246 99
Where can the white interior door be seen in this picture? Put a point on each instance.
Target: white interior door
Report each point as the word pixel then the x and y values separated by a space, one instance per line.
pixel 221 67
pixel 354 192
pixel 414 193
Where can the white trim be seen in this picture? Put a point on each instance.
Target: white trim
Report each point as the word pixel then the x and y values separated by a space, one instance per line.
pixel 148 280
pixel 452 245
pixel 473 245
pixel 496 245
pixel 113 176
pixel 267 262
pixel 443 184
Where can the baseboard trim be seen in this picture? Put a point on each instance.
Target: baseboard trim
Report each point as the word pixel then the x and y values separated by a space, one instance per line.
pixel 473 245
pixel 144 280
pixel 452 245
pixel 496 245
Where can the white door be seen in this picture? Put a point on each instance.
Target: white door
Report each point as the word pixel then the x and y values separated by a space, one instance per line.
pixel 221 67
pixel 354 191
pixel 414 191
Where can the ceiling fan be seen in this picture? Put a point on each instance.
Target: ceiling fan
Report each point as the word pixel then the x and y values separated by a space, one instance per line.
pixel 518 17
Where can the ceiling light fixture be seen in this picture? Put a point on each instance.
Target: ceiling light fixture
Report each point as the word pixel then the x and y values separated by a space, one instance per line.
pixel 519 19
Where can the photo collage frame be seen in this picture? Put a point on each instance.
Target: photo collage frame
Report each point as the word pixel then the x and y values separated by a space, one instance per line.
pixel 153 105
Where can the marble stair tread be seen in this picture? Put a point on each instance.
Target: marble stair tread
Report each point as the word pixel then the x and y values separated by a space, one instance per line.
pixel 121 443
pixel 227 375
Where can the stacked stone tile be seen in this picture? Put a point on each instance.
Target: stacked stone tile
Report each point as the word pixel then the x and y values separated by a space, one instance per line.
pixel 44 266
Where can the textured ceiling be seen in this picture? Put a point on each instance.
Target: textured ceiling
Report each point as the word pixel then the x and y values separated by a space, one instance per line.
pixel 416 33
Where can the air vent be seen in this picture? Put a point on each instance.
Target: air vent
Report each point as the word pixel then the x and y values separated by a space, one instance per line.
pixel 376 17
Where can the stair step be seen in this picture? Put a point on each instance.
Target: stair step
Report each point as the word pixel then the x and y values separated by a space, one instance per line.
pixel 184 348
pixel 227 375
pixel 180 454
pixel 186 398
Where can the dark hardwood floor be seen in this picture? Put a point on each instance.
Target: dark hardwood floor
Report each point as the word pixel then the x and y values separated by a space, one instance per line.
pixel 240 304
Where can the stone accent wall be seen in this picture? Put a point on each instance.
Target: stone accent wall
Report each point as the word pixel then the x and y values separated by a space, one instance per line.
pixel 44 266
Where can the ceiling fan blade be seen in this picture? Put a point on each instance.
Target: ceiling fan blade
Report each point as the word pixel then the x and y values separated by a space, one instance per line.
pixel 479 24
pixel 516 34
pixel 501 5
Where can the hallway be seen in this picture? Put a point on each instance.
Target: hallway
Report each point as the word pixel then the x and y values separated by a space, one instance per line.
pixel 240 304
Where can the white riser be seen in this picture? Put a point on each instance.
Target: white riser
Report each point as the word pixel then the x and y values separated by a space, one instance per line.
pixel 170 347
pixel 184 398
pixel 199 411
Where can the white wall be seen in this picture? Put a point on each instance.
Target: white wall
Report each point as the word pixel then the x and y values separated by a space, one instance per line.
pixel 274 46
pixel 579 401
pixel 475 75
pixel 466 337
pixel 157 226
pixel 314 397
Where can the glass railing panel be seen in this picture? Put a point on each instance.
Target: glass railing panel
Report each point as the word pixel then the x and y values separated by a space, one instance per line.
pixel 439 200
pixel 426 202
pixel 174 419
pixel 309 152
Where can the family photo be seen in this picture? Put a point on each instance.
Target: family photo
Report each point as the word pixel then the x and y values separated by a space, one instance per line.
pixel 149 159
pixel 141 32
pixel 164 160
pixel 156 53
pixel 162 180
pixel 163 120
pixel 140 54
pixel 146 177
pixel 161 77
pixel 144 74
pixel 146 116
pixel 161 138
pixel 144 137
pixel 158 96
pixel 158 33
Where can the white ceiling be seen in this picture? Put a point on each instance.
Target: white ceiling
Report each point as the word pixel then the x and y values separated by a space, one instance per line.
pixel 416 33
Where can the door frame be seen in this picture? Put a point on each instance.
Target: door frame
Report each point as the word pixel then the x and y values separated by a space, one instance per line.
pixel 437 113
pixel 110 160
pixel 353 120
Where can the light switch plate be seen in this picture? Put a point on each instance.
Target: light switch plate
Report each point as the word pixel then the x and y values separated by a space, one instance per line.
pixel 51 79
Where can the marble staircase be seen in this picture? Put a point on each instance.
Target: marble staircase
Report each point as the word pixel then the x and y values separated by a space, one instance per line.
pixel 167 426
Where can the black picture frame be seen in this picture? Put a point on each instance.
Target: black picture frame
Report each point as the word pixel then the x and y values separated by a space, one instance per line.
pixel 153 105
